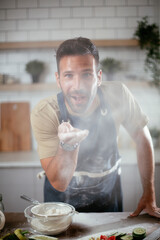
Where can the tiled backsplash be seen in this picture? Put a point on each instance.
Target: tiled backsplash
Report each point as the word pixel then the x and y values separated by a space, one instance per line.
pixel 23 20
pixel 39 20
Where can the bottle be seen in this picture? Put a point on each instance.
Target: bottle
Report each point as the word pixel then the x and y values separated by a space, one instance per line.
pixel 1 203
pixel 2 220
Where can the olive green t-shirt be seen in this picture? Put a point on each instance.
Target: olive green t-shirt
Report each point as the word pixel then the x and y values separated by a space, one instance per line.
pixel 125 111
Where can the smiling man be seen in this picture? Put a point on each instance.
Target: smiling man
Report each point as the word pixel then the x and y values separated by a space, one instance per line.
pixel 77 133
pixel 78 80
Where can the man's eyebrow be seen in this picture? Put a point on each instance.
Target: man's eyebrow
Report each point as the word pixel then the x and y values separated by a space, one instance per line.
pixel 88 70
pixel 68 72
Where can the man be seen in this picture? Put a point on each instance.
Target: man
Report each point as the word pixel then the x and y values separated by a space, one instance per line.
pixel 77 130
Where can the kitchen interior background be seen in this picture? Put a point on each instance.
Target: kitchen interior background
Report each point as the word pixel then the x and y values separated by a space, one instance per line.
pixel 50 20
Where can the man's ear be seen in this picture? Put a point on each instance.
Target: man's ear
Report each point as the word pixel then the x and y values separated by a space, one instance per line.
pixel 99 75
pixel 57 79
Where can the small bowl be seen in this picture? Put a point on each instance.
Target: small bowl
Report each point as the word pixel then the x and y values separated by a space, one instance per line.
pixel 53 223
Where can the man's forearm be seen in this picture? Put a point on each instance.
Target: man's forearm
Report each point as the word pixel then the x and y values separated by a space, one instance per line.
pixel 60 168
pixel 145 157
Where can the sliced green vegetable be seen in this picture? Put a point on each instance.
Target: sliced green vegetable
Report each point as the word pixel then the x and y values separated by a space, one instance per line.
pixel 5 236
pixel 139 233
pixel 42 237
pixel 18 233
pixel 126 237
pixel 9 236
pixel 119 234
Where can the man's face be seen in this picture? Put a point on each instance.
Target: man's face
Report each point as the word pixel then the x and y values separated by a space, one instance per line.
pixel 78 80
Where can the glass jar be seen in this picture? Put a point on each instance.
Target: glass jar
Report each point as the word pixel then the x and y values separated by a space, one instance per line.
pixel 1 203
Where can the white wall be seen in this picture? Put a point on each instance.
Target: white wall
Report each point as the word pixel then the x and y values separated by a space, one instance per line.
pixel 40 20
pixel 31 20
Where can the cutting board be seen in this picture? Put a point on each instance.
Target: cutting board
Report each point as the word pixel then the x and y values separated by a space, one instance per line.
pixel 15 130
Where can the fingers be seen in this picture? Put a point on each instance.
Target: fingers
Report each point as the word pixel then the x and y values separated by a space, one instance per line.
pixel 154 212
pixel 139 209
pixel 70 135
pixel 79 136
pixel 65 127
pixel 136 212
pixel 73 137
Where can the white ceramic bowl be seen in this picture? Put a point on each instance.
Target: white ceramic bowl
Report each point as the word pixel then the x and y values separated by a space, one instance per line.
pixel 50 218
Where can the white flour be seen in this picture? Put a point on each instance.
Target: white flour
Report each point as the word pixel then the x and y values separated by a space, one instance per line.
pixel 53 226
pixel 51 218
pixel 50 209
pixel 56 211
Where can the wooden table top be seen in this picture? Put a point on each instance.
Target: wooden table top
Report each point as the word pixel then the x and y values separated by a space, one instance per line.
pixel 85 225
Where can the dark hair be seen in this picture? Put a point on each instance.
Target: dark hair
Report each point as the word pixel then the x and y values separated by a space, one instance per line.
pixel 77 46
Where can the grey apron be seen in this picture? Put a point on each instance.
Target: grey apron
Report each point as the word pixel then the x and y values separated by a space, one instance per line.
pixel 96 183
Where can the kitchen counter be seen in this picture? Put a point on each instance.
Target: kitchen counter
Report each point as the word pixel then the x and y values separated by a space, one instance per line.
pixel 19 159
pixel 31 158
pixel 85 225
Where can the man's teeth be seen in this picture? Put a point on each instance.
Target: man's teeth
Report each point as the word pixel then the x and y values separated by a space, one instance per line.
pixel 79 97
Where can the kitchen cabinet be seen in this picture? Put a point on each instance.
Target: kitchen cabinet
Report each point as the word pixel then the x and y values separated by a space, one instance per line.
pixel 18 175
pixel 15 182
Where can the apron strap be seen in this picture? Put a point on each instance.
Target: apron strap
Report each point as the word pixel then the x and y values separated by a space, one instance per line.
pixel 62 108
pixel 103 105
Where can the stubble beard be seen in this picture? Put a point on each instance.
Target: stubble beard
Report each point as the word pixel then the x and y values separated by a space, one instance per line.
pixel 80 108
pixel 76 108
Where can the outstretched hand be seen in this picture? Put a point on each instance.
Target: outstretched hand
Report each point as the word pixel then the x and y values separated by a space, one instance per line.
pixel 148 206
pixel 71 135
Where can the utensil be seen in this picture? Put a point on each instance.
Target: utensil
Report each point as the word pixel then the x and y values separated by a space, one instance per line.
pixel 29 199
pixel 155 235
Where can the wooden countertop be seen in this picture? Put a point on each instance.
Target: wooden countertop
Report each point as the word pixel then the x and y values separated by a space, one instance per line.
pixel 85 225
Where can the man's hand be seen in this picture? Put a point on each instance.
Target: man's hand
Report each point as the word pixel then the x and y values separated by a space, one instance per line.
pixel 70 135
pixel 146 164
pixel 147 205
pixel 60 168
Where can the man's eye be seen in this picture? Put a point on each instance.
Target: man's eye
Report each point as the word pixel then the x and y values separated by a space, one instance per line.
pixel 68 75
pixel 87 75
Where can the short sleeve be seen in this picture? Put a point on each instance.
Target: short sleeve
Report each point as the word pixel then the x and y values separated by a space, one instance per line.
pixel 44 121
pixel 133 116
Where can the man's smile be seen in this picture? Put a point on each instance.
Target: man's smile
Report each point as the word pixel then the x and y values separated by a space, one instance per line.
pixel 79 99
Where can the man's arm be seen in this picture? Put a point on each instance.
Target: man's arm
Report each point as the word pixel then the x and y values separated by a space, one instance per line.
pixel 145 158
pixel 60 168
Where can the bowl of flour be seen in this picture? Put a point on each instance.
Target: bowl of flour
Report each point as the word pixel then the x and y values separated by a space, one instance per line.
pixel 50 218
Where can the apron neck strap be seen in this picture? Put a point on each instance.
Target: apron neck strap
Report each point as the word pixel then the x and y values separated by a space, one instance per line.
pixel 62 108
pixel 103 105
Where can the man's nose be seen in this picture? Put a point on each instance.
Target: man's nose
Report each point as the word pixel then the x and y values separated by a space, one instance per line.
pixel 78 83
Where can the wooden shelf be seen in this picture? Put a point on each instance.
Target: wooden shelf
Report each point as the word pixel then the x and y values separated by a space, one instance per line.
pixel 116 43
pixel 53 86
pixel 29 87
pixel 54 44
